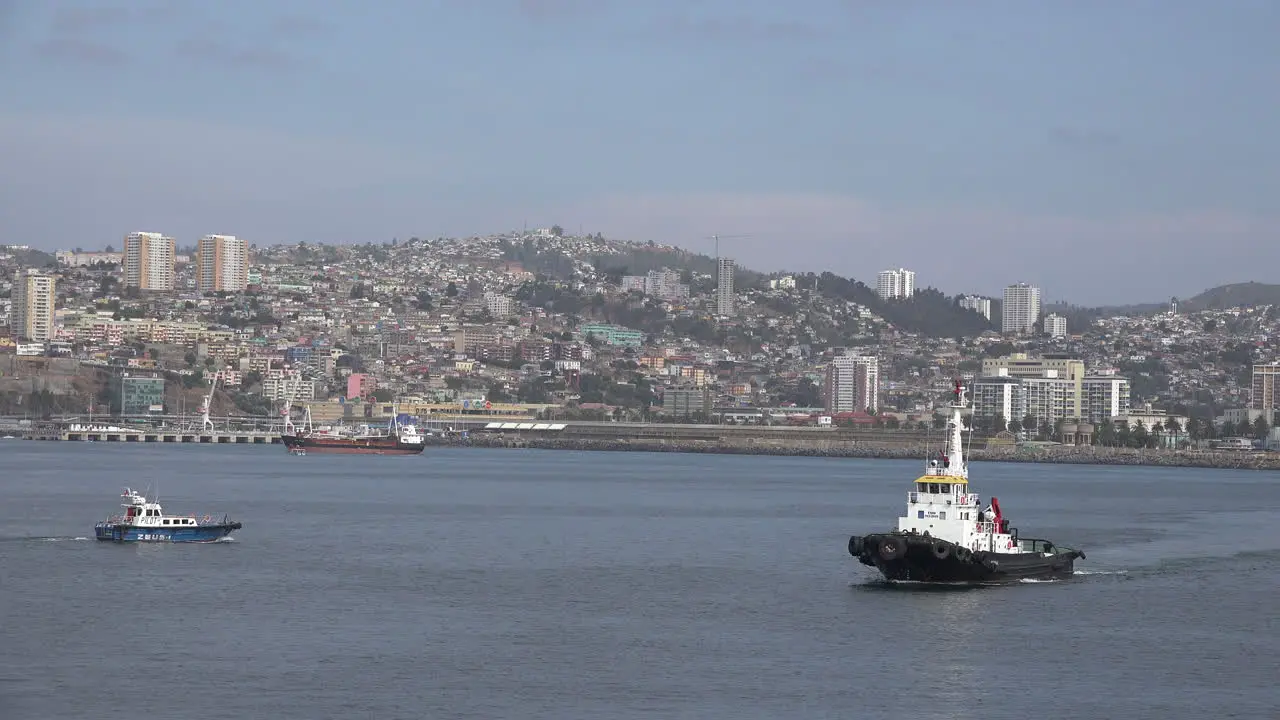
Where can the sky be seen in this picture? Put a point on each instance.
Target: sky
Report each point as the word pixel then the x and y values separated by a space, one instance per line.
pixel 1108 151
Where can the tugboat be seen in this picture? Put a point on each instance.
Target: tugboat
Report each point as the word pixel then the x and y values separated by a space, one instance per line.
pixel 947 537
pixel 145 521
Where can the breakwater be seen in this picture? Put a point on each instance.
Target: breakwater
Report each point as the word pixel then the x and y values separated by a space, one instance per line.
pixel 834 449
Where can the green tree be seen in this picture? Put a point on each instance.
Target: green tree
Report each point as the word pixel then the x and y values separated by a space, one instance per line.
pixel 998 423
pixel 1260 428
pixel 1014 426
pixel 1106 433
pixel 1140 437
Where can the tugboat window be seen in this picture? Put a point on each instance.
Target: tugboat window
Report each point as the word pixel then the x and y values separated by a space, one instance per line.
pixel 933 488
pixel 945 488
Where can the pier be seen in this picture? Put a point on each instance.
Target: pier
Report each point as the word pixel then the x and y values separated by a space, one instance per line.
pixel 127 433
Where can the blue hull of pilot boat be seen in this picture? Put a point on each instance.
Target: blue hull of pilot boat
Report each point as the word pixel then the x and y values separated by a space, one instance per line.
pixel 111 532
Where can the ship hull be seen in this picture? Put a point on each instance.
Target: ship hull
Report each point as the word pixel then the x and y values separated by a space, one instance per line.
pixel 351 446
pixel 115 532
pixel 908 557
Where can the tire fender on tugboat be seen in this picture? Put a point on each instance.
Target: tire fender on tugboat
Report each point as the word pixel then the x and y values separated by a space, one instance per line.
pixel 892 547
pixel 941 549
pixel 855 545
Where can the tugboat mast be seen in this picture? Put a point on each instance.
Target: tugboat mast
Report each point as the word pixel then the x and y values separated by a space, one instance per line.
pixel 953 461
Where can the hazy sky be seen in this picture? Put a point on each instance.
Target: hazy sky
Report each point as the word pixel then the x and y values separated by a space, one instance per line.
pixel 1106 150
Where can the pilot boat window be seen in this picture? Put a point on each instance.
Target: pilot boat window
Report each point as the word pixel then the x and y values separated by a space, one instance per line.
pixel 166 522
pixel 933 488
pixel 922 487
pixel 945 488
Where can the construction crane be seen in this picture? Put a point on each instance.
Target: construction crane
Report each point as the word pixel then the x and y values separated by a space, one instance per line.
pixel 718 238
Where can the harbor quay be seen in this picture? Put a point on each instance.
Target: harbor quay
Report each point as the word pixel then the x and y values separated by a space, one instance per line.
pixel 116 430
pixel 658 437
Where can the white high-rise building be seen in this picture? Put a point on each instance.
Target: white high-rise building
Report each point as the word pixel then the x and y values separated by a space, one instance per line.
pixel 1021 309
pixel 980 305
pixel 1104 398
pixel 1055 325
pixel 222 264
pixel 31 313
pixel 724 287
pixel 896 284
pixel 148 261
pixel 852 384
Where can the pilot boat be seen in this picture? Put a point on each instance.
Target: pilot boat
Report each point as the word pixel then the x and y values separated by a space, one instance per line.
pixel 145 521
pixel 947 536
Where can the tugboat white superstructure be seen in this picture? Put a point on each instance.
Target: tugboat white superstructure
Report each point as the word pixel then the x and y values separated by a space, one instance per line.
pixel 948 537
pixel 145 521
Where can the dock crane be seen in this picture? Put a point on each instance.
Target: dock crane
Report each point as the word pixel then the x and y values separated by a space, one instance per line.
pixel 287 411
pixel 206 423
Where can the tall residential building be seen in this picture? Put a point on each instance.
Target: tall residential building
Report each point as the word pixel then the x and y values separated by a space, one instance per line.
pixel 148 261
pixel 724 287
pixel 222 264
pixel 852 384
pixel 1021 309
pixel 1105 397
pixel 1055 325
pixel 31 314
pixel 980 305
pixel 896 284
pixel 1265 394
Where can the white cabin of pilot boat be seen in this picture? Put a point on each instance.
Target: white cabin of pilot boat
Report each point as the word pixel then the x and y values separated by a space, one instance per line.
pixel 139 512
pixel 941 503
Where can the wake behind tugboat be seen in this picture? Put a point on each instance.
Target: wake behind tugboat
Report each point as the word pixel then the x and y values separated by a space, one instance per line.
pixel 946 538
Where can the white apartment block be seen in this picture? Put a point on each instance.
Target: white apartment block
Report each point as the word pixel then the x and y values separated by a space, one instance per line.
pixel 980 305
pixel 1048 389
pixel 148 261
pixel 663 284
pixel 71 258
pixel 897 284
pixel 1003 396
pixel 1021 309
pixel 852 384
pixel 1055 325
pixel 222 264
pixel 31 309
pixel 499 306
pixel 724 287
pixel 1105 397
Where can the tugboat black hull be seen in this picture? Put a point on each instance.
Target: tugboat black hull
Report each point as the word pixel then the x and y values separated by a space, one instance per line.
pixel 918 558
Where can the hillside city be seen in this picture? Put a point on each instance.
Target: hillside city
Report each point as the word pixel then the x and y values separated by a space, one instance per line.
pixel 579 327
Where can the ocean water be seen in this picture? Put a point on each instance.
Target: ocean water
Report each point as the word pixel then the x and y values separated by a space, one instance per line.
pixel 539 584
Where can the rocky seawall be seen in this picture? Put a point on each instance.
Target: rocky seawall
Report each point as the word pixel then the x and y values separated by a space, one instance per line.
pixel 1060 455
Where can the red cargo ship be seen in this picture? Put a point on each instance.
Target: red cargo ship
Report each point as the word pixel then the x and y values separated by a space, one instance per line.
pixel 398 439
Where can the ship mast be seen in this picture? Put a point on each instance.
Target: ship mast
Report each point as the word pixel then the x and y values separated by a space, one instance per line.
pixel 954 462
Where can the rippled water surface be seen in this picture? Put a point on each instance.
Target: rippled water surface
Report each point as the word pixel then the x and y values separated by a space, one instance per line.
pixel 534 584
